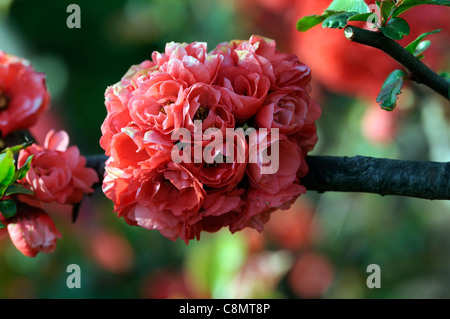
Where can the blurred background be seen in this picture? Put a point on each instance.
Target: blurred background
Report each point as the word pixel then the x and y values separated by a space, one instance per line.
pixel 321 247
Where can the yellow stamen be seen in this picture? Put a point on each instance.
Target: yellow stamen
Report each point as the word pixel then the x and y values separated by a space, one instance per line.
pixel 3 100
pixel 201 114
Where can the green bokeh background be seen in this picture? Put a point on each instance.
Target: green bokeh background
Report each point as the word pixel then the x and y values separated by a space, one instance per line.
pixel 408 238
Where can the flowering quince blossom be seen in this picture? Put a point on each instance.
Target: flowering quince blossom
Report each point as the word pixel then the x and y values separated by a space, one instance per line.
pixel 23 94
pixel 32 231
pixel 237 88
pixel 58 173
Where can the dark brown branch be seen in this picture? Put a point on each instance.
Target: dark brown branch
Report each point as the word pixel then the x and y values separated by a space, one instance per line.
pixel 429 180
pixel 420 73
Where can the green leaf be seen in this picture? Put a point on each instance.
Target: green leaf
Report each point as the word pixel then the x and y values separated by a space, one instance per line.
pixel 396 28
pixel 387 7
pixel 408 4
pixel 306 23
pixel 360 17
pixel 358 6
pixel 421 47
pixel 338 21
pixel 17 189
pixel 8 208
pixel 2 225
pixel 22 172
pixel 7 169
pixel 411 48
pixel 18 148
pixel 391 88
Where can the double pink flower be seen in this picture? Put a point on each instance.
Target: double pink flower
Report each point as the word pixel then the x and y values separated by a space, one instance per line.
pixel 238 84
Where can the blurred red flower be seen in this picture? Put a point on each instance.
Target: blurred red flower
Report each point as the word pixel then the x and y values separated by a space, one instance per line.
pixel 23 94
pixel 292 229
pixel 311 276
pixel 111 251
pixel 166 284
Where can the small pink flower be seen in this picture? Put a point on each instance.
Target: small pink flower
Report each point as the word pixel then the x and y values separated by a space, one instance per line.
pixel 222 163
pixel 286 110
pixel 32 231
pixel 204 104
pixel 158 104
pixel 290 73
pixel 283 167
pixel 188 62
pixel 167 198
pixel 23 94
pixel 219 202
pixel 170 201
pixel 58 173
pixel 244 82
pixel 146 149
pixel 121 186
pixel 116 101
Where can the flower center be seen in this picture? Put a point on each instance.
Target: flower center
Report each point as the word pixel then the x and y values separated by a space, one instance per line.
pixel 3 100
pixel 201 114
pixel 42 171
pixel 168 102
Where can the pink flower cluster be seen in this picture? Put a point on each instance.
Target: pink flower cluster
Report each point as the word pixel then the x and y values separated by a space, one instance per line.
pixel 239 84
pixel 57 172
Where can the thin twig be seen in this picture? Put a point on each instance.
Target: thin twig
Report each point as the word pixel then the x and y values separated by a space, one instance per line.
pixel 420 73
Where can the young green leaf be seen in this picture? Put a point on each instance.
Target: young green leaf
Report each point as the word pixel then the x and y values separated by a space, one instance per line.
pixel 396 29
pixel 392 87
pixel 338 21
pixel 411 48
pixel 387 7
pixel 7 168
pixel 8 208
pixel 17 189
pixel 421 47
pixel 22 172
pixel 306 23
pixel 358 6
pixel 18 148
pixel 408 4
pixel 360 17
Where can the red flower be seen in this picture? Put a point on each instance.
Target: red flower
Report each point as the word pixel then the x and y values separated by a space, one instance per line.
pixel 167 173
pixel 58 173
pixel 32 231
pixel 23 94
